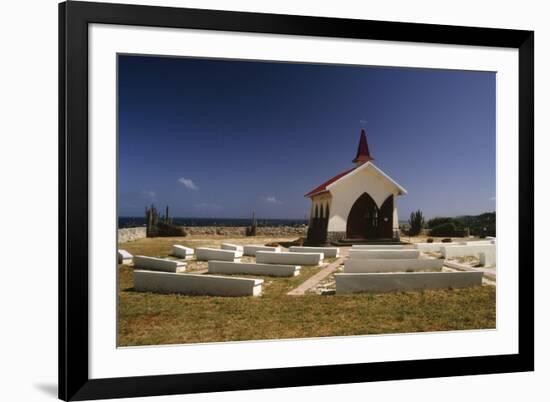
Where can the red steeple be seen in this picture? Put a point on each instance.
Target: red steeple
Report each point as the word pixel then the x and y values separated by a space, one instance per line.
pixel 363 154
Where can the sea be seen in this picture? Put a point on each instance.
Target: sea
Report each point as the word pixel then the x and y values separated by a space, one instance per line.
pixel 130 222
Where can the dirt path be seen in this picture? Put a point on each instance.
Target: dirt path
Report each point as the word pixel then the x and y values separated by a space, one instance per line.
pixel 319 276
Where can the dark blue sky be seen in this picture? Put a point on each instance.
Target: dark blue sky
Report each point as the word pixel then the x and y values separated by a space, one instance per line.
pixel 221 138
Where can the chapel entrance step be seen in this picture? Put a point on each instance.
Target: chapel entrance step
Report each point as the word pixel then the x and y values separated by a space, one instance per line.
pixel 349 242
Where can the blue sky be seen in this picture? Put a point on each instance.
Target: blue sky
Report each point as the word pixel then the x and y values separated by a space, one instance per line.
pixel 223 138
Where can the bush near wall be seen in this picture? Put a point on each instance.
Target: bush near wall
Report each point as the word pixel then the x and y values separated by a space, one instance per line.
pixel 166 230
pixel 479 225
pixel 448 229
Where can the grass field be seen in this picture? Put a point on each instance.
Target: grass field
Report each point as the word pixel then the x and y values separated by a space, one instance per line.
pixel 152 319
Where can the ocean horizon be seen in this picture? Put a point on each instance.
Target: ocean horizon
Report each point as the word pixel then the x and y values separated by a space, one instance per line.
pixel 137 221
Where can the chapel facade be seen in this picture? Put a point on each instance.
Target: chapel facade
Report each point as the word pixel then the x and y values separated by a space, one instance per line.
pixel 359 204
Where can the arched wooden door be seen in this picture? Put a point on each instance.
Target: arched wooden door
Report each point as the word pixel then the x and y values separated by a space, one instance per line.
pixel 363 219
pixel 385 219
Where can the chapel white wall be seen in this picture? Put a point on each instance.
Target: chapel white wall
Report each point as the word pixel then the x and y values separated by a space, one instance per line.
pixel 346 192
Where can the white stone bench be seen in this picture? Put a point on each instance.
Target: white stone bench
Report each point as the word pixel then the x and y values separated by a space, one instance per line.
pixel 466 250
pixel 274 257
pixel 329 252
pixel 206 254
pixel 408 281
pixel 182 251
pixel 225 267
pixel 251 249
pixel 398 265
pixel 124 257
pixel 158 264
pixel 488 258
pixel 383 254
pixel 430 247
pixel 195 284
pixel 233 247
pixel 377 246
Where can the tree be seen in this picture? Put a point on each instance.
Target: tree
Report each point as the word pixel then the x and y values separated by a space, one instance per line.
pixel 416 222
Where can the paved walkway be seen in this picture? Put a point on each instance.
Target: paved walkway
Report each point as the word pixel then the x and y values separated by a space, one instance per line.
pixel 319 276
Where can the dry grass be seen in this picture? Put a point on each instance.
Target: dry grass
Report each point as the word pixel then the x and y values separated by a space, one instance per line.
pixel 152 319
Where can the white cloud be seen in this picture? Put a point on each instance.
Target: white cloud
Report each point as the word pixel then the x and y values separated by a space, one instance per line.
pixel 188 183
pixel 272 200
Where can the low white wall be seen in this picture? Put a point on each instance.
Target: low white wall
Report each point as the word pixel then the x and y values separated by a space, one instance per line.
pixel 124 257
pixel 329 252
pixel 193 284
pixel 234 247
pixel 383 254
pixel 271 257
pixel 251 249
pixel 351 266
pixel 409 281
pixel 463 251
pixel 430 247
pixel 476 242
pixel 206 254
pixel 225 267
pixel 182 251
pixel 158 264
pixel 377 246
pixel 488 258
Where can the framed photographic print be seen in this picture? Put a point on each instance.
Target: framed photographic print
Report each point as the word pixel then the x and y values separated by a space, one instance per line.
pixel 257 201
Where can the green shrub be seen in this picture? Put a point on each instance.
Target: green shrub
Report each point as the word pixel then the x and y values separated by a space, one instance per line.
pixel 429 240
pixel 445 229
pixel 446 240
pixel 432 223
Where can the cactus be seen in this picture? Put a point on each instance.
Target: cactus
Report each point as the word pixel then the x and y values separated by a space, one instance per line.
pixel 251 231
pixel 416 222
pixel 158 225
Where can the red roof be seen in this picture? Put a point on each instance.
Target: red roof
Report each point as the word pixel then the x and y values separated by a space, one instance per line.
pixel 323 187
pixel 363 154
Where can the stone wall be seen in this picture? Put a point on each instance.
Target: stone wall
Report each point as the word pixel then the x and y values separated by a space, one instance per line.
pixel 298 231
pixel 131 234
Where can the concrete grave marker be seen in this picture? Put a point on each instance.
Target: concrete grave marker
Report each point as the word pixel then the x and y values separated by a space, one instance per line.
pixel 466 250
pixel 182 251
pixel 206 254
pixel 225 267
pixel 272 257
pixel 158 264
pixel 383 254
pixel 124 257
pixel 397 265
pixel 195 284
pixel 251 249
pixel 377 246
pixel 329 252
pixel 233 247
pixel 401 282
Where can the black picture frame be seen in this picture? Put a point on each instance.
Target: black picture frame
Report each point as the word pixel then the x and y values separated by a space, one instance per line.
pixel 74 381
